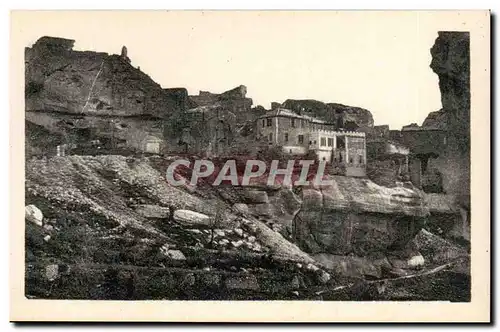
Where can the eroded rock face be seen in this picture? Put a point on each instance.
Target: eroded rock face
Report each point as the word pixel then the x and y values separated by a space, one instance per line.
pixel 451 62
pixel 349 117
pixel 358 216
pixel 86 96
pixel 59 79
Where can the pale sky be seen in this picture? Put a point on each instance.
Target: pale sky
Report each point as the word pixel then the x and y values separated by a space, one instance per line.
pixel 375 60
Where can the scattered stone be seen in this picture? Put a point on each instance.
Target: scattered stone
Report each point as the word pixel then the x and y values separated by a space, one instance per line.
pixel 248 282
pixel 295 293
pixel 237 244
pixel 48 227
pixel 191 218
pixel 220 233
pixel 257 247
pixel 241 207
pixel 239 232
pixel 199 245
pixel 206 269
pixel 233 268
pixel 52 272
pixel 324 277
pixel 251 239
pixel 176 255
pixel 416 261
pixel 33 214
pixel 195 231
pixel 299 265
pixel 312 267
pixel 46 238
pixel 224 242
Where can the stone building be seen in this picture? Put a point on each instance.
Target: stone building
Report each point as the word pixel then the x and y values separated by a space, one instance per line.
pixel 299 134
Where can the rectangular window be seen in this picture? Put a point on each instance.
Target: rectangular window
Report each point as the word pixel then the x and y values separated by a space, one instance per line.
pixel 286 137
pixel 263 122
pixel 270 137
pixel 269 122
pixel 330 141
pixel 301 139
pixel 361 159
pixel 292 123
pixel 323 141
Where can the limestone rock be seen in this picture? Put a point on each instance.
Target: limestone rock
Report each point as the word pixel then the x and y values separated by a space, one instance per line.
pixel 33 214
pixel 359 216
pixel 241 207
pixel 239 232
pixel 437 250
pixel 176 255
pixel 416 261
pixel 191 217
pixel 52 272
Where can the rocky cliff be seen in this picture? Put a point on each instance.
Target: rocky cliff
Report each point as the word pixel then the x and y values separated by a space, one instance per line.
pixel 351 117
pixel 71 92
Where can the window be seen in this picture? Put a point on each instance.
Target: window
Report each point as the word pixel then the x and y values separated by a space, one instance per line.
pixel 314 142
pixel 300 139
pixel 263 122
pixel 270 137
pixel 292 123
pixel 361 159
pixel 323 141
pixel 286 137
pixel 330 141
pixel 269 122
pixel 350 160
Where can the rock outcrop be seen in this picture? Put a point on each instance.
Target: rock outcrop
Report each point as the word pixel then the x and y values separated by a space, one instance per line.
pixel 84 96
pixel 349 117
pixel 357 216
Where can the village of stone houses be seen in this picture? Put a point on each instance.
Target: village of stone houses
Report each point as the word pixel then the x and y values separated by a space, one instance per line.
pixel 103 223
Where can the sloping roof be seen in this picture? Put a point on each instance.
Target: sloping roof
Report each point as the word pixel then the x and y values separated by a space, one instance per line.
pixel 288 113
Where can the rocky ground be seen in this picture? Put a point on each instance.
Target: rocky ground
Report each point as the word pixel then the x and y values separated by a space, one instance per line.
pixel 111 227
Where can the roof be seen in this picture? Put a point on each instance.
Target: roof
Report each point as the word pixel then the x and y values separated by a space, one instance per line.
pixel 422 129
pixel 290 114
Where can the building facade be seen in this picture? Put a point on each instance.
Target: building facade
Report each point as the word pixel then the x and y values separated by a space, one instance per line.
pixel 299 134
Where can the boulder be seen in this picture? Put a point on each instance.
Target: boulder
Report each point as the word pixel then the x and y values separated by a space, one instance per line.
pixel 241 207
pixel 189 217
pixel 176 255
pixel 52 272
pixel 437 250
pixel 33 214
pixel 357 216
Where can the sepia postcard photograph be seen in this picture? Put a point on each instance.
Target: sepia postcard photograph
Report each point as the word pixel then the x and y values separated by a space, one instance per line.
pixel 287 166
